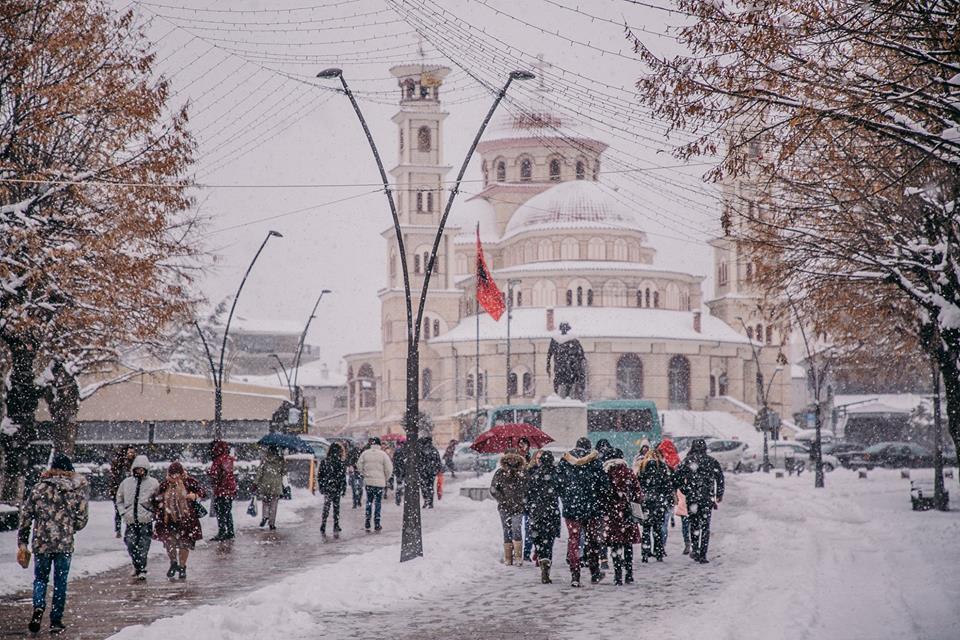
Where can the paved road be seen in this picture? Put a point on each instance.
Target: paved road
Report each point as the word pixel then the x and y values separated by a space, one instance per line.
pixel 101 605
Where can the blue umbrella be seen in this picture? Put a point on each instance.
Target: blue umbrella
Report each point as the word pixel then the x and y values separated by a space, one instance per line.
pixel 285 441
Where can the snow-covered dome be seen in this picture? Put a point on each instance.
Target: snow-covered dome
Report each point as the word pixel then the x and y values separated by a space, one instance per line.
pixel 575 204
pixel 539 121
pixel 467 213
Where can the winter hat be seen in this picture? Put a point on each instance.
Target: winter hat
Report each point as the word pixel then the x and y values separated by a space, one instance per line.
pixel 699 446
pixel 61 463
pixel 644 443
pixel 669 452
pixel 175 468
pixel 141 462
pixel 603 444
pixel 546 458
pixel 375 440
pixel 584 443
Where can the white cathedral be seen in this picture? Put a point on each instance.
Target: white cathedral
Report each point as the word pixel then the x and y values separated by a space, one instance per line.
pixel 563 249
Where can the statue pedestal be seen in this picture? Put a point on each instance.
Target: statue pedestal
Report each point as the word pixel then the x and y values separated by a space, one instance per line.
pixel 564 420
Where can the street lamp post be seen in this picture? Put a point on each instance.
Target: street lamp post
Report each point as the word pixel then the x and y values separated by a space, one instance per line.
pixel 763 392
pixel 411 545
pixel 217 372
pixel 510 284
pixel 286 376
pixel 303 339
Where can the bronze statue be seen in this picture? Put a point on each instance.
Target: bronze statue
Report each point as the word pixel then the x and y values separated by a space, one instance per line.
pixel 570 364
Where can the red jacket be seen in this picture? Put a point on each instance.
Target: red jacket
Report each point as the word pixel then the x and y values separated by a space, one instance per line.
pixel 624 489
pixel 221 471
pixel 189 527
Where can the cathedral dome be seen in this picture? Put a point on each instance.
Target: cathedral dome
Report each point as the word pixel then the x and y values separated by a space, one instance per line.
pixel 575 204
pixel 467 214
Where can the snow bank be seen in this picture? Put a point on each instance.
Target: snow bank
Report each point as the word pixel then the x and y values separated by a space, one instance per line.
pixel 372 581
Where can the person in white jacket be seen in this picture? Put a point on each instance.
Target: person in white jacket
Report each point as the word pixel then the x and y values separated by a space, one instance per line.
pixel 375 466
pixel 133 505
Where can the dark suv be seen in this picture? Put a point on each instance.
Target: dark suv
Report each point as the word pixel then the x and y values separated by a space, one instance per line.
pixel 893 455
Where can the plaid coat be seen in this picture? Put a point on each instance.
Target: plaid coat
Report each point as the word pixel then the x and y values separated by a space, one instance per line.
pixel 56 508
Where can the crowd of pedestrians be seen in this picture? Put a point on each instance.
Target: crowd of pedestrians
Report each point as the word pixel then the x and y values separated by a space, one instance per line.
pixel 606 504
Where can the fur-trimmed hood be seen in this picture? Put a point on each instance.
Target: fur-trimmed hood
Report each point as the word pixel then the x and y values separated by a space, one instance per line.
pixel 513 461
pixel 578 457
pixel 612 462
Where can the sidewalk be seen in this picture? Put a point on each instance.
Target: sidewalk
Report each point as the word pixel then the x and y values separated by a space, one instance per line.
pixel 99 606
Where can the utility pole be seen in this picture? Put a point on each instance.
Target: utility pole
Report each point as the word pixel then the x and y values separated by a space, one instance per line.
pixel 510 284
pixel 939 495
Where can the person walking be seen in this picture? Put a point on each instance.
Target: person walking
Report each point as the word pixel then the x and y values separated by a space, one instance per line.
pixel 700 478
pixel 656 482
pixel 429 465
pixel 620 531
pixel 508 488
pixel 332 483
pixel 133 503
pixel 542 501
pixel 668 452
pixel 375 466
pixel 177 521
pixel 582 483
pixel 56 508
pixel 120 468
pixel 269 485
pixel 399 471
pixel 224 488
pixel 355 477
pixel 448 454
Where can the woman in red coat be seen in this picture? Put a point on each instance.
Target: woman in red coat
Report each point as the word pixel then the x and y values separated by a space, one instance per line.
pixel 620 532
pixel 224 489
pixel 177 522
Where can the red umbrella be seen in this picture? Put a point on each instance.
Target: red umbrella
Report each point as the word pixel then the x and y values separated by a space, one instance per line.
pixel 393 437
pixel 506 436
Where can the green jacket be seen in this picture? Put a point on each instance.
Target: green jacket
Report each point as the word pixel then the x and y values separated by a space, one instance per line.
pixel 269 479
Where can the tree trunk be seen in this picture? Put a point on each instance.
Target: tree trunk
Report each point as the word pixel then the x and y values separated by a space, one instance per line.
pixel 950 370
pixel 22 400
pixel 411 543
pixel 63 400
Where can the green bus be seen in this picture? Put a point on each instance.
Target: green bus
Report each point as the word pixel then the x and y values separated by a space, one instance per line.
pixel 624 423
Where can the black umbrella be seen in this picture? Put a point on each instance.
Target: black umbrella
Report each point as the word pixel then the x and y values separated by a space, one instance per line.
pixel 285 441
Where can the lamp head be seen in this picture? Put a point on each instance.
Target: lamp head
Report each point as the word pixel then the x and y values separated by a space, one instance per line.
pixel 328 74
pixel 521 75
pixel 326 291
pixel 275 234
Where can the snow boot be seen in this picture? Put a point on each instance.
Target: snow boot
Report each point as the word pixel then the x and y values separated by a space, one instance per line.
pixel 545 572
pixel 595 574
pixel 574 577
pixel 628 572
pixel 181 572
pixel 323 532
pixel 617 570
pixel 172 571
pixel 56 626
pixel 518 553
pixel 508 553
pixel 686 548
pixel 263 523
pixel 35 620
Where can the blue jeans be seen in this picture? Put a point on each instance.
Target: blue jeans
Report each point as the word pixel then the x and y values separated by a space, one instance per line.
pixel 374 499
pixel 41 575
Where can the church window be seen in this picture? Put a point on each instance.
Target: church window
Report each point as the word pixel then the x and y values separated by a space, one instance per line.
pixel 512 384
pixel 722 273
pixel 426 384
pixel 656 299
pixel 481 385
pixel 596 249
pixel 368 386
pixel 393 266
pixel 430 201
pixel 769 334
pixel 388 330
pixel 469 385
pixel 639 298
pixel 527 384
pixel 678 382
pixel 416 264
pixel 589 297
pixel 630 376
pixel 423 138
pixel 620 251
pixel 555 170
pixel 579 296
pixel 570 249
pixel 426 262
pixel 526 170
pixel 519 298
pixel 436 327
pixel 749 275
pixel 419 201
pixel 401 139
pixel 759 333
pixel 750 333
pixel 408 87
pixel 545 251
pixel 581 170
pixel 569 298
pixel 426 328
pixel 646 297
pixel 486 173
pixel 424 91
pixel 501 171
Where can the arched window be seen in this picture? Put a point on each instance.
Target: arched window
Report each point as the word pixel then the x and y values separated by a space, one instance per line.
pixel 426 383
pixel 678 382
pixel 769 334
pixel 426 262
pixel 646 298
pixel 401 139
pixel 713 386
pixel 436 328
pixel 408 88
pixel 430 201
pixel 596 249
pixel 527 380
pixel 750 333
pixel 544 294
pixel 639 298
pixel 393 265
pixel 581 170
pixel 629 376
pixel 367 385
pixel 419 201
pixel 469 385
pixel 579 296
pixel 388 330
pixel 426 328
pixel 620 251
pixel 555 170
pixel 656 299
pixel 486 173
pixel 512 384
pixel 672 296
pixel 749 271
pixel 614 294
pixel 569 298
pixel 589 297
pixel 759 332
pixel 423 138
pixel 416 264
pixel 526 170
pixel 570 249
pixel 501 171
pixel 544 251
pixel 481 385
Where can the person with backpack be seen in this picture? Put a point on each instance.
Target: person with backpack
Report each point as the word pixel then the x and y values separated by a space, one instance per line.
pixel 620 530
pixel 656 482
pixel 508 488
pixel 543 510
pixel 56 508
pixel 332 483
pixel 224 489
pixel 582 484
pixel 700 478
pixel 134 504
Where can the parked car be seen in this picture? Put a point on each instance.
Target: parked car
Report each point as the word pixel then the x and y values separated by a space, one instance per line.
pixel 788 454
pixel 466 459
pixel 729 453
pixel 682 443
pixel 893 455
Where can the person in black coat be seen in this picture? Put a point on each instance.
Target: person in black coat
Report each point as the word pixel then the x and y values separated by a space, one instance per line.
pixel 428 466
pixel 399 471
pixel 582 485
pixel 356 480
pixel 543 510
pixel 332 483
pixel 700 479
pixel 656 483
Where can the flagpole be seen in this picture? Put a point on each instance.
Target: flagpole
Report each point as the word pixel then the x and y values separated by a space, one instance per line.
pixel 476 380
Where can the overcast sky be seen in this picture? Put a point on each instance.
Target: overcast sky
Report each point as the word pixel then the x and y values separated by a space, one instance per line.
pixel 273 141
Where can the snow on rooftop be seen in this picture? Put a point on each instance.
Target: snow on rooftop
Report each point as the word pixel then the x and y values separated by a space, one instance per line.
pixel 597 322
pixel 574 204
pixel 879 402
pixel 267 325
pixel 311 374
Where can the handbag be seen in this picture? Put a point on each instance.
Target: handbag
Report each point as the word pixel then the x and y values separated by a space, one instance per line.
pixel 252 508
pixel 287 492
pixel 199 509
pixel 23 557
pixel 637 513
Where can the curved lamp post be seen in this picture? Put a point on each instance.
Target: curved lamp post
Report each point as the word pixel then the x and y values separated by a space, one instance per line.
pixel 217 371
pixel 303 339
pixel 411 545
pixel 764 393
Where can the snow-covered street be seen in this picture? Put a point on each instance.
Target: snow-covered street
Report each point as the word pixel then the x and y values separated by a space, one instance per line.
pixel 849 562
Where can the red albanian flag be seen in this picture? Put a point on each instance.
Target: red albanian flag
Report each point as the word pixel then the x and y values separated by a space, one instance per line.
pixel 488 295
